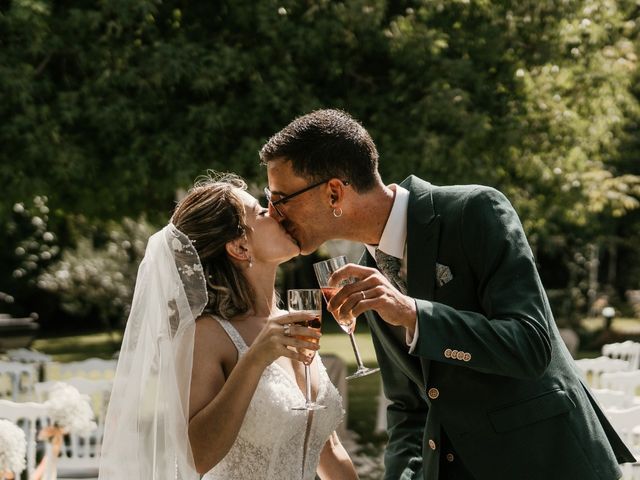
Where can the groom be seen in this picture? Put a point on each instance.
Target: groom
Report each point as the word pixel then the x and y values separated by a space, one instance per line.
pixel 480 383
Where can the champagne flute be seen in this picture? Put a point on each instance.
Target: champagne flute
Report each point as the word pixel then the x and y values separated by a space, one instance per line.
pixel 307 301
pixel 323 271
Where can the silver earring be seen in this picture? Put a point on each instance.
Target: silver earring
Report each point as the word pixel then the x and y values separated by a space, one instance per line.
pixel 337 212
pixel 250 262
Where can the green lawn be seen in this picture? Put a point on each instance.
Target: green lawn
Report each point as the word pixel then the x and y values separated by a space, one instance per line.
pixel 79 347
pixel 628 326
pixel 104 345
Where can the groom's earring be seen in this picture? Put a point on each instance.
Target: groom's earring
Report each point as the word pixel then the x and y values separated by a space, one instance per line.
pixel 250 261
pixel 337 212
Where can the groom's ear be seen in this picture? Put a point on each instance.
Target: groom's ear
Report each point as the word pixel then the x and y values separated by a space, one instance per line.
pixel 336 191
pixel 237 249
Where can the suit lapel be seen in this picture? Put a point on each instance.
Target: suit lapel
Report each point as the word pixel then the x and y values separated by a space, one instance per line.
pixel 423 233
pixel 423 230
pixel 395 351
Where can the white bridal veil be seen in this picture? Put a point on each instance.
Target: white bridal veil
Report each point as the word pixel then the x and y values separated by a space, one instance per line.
pixel 145 434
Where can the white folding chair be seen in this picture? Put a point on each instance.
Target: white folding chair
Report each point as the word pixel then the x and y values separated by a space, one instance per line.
pixel 627 350
pixel 592 368
pixel 17 380
pixel 609 398
pixel 33 357
pixel 94 368
pixel 27 355
pixel 80 455
pixel 31 417
pixel 627 423
pixel 627 382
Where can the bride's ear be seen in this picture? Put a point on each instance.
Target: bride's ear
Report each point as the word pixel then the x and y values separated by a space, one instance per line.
pixel 238 249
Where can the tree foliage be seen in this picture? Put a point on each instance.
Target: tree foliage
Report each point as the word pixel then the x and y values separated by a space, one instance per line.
pixel 107 107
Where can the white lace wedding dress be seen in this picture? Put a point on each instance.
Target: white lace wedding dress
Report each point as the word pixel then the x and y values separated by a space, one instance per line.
pixel 271 440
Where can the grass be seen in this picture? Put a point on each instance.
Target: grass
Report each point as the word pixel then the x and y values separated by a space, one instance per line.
pixel 628 326
pixel 79 347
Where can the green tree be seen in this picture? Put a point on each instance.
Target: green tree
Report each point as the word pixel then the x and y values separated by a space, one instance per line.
pixel 108 107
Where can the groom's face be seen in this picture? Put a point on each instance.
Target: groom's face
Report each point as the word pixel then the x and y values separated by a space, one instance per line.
pixel 303 216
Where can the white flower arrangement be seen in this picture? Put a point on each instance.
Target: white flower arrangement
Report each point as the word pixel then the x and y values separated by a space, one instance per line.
pixel 69 410
pixel 13 448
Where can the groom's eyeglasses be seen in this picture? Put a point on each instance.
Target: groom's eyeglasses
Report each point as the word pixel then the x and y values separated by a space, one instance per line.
pixel 286 198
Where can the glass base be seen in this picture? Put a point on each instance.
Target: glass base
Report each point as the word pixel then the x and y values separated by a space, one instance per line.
pixel 362 372
pixel 309 406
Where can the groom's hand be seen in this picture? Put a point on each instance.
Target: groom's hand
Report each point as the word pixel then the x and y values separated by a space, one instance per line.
pixel 371 291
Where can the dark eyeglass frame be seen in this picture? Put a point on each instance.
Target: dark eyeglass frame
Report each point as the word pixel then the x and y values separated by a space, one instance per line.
pixel 286 198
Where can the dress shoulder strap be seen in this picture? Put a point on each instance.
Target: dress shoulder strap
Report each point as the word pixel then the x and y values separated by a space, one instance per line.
pixel 234 335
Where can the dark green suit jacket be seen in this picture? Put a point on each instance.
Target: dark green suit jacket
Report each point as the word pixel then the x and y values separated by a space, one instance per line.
pixel 490 382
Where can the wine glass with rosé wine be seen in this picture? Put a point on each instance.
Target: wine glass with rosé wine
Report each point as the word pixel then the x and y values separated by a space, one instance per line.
pixel 323 271
pixel 307 301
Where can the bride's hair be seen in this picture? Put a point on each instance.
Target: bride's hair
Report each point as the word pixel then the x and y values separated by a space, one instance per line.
pixel 212 214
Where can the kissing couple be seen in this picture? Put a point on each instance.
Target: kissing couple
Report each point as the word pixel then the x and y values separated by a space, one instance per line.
pixel 480 384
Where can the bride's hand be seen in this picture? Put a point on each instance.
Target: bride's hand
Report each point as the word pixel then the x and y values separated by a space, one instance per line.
pixel 279 334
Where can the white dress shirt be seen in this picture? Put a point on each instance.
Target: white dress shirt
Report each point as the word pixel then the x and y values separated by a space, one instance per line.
pixel 394 240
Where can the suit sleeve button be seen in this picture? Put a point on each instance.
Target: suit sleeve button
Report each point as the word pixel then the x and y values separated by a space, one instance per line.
pixel 447 353
pixel 460 355
pixel 467 357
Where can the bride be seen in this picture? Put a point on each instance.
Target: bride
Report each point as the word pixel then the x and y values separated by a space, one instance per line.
pixel 208 370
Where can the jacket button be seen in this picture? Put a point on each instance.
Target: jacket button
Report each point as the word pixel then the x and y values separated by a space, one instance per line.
pixel 449 457
pixel 467 357
pixel 447 353
pixel 454 354
pixel 433 393
pixel 432 444
pixel 460 355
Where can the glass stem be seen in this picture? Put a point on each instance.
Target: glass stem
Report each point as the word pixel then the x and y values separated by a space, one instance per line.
pixel 307 381
pixel 356 351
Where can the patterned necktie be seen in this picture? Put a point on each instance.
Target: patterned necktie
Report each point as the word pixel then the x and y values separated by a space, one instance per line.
pixel 390 268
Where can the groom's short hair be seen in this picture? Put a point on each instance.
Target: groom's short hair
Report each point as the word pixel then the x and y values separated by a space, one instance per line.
pixel 326 144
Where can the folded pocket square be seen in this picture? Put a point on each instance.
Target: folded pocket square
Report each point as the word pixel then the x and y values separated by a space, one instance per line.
pixel 443 274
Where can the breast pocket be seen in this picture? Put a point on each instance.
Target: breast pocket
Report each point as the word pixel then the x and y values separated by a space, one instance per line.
pixel 449 293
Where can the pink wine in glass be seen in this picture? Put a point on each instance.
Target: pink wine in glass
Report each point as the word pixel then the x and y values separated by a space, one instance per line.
pixel 315 324
pixel 347 324
pixel 324 270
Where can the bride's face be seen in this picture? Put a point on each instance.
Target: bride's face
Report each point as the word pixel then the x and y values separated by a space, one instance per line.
pixel 269 241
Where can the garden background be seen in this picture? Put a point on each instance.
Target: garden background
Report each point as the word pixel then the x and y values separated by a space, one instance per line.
pixel 109 110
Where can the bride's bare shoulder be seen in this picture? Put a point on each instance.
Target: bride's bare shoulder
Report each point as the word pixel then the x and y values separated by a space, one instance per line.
pixel 212 338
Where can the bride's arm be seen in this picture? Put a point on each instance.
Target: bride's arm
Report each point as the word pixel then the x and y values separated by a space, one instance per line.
pixel 218 407
pixel 335 463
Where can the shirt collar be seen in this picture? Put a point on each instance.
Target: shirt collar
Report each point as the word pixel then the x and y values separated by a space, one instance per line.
pixel 394 235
